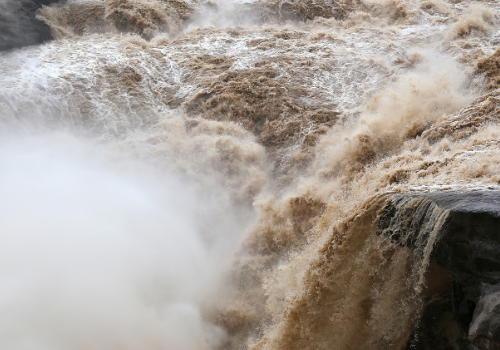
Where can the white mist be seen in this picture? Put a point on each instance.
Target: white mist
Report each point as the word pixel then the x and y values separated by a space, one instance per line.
pixel 96 256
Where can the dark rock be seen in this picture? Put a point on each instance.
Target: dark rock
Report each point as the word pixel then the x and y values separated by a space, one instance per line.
pixel 484 332
pixel 459 234
pixel 19 25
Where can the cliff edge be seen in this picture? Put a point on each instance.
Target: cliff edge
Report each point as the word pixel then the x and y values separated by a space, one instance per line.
pixel 457 233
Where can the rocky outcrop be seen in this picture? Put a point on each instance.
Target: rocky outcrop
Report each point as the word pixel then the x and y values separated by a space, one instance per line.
pixel 458 236
pixel 484 331
pixel 19 25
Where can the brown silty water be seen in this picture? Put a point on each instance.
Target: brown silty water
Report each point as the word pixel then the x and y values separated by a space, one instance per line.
pixel 305 114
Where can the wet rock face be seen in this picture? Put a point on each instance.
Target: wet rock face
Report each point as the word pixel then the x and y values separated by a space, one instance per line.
pixel 460 233
pixel 484 331
pixel 19 25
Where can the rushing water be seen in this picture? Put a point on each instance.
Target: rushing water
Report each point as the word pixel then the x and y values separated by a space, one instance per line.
pixel 181 174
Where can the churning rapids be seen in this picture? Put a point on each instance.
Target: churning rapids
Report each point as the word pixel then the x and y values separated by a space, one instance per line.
pixel 198 174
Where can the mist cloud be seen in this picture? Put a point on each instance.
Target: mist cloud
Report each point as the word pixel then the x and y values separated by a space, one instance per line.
pixel 96 255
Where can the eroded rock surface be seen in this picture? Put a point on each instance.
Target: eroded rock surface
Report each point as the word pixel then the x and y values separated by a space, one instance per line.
pixel 458 236
pixel 484 331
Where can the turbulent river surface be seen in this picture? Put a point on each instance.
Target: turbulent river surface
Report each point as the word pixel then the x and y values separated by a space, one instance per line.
pixel 190 174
